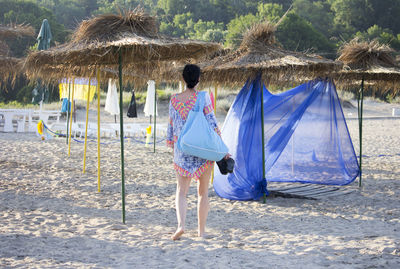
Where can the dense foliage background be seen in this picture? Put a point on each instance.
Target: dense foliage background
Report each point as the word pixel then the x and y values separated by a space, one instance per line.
pixel 312 25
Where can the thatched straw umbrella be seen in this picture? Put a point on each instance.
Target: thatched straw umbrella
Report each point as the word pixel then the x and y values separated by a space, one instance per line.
pixel 100 40
pixel 107 41
pixel 10 66
pixel 368 62
pixel 260 53
pixel 371 61
pixel 14 31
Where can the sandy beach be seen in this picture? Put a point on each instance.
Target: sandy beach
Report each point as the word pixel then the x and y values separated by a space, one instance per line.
pixel 52 216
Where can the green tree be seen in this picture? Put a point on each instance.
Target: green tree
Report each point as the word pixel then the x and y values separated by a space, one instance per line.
pixel 23 11
pixel 270 12
pixel 384 36
pixel 296 34
pixel 237 27
pixel 318 13
pixel 214 35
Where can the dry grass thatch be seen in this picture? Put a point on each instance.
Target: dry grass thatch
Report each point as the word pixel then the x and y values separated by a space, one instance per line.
pixel 259 53
pixel 14 31
pixel 107 27
pixel 363 55
pixel 370 61
pixel 4 49
pixel 9 68
pixel 258 37
pixel 97 42
pixel 137 74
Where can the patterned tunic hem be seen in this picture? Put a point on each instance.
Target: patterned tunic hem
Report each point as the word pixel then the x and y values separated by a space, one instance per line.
pixel 196 175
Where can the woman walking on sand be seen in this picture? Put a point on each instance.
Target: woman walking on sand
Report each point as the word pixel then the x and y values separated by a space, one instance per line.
pixel 188 166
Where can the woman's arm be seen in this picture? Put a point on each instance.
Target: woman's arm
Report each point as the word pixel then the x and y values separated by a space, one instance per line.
pixel 209 114
pixel 170 128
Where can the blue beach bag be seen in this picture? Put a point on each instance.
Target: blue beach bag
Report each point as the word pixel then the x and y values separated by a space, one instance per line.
pixel 197 138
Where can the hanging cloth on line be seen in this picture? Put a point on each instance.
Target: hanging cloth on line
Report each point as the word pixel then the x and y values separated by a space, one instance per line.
pixel 149 105
pixel 112 105
pixel 132 113
pixel 81 87
pixel 66 105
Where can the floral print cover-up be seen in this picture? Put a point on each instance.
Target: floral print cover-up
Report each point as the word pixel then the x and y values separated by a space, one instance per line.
pixel 184 164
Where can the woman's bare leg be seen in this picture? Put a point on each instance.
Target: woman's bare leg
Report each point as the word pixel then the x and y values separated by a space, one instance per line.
pixel 202 202
pixel 182 188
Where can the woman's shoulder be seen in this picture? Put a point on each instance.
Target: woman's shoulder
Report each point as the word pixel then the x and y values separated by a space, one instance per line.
pixel 173 97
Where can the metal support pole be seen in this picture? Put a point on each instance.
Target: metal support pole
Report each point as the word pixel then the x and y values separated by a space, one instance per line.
pixel 68 111
pixel 262 136
pixel 86 127
pixel 98 130
pixel 70 123
pixel 121 124
pixel 155 120
pixel 360 101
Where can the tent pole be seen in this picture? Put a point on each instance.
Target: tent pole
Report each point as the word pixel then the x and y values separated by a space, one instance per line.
pixel 68 111
pixel 262 137
pixel 121 124
pixel 98 129
pixel 293 104
pixel 360 102
pixel 70 122
pixel 86 127
pixel 155 120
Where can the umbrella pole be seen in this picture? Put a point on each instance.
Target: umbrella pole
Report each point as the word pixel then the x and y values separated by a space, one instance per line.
pixel 68 111
pixel 86 127
pixel 360 101
pixel 98 130
pixel 262 137
pixel 70 122
pixel 155 120
pixel 121 124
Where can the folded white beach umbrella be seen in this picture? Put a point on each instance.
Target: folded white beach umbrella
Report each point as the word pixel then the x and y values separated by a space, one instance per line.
pixel 149 105
pixel 112 98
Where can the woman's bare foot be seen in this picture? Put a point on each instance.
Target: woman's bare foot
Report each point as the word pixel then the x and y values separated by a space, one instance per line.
pixel 204 236
pixel 177 234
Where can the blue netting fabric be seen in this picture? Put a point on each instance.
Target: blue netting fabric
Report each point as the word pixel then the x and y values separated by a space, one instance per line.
pixel 306 140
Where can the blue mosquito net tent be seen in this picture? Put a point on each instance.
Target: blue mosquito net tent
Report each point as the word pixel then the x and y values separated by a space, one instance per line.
pixel 306 140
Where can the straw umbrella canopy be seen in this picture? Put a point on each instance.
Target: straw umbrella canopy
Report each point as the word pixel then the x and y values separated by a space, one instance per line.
pixel 107 41
pixel 368 62
pixel 98 41
pixel 10 66
pixel 260 53
pixel 14 31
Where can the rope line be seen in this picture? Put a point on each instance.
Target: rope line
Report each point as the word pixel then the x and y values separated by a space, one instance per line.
pixel 103 143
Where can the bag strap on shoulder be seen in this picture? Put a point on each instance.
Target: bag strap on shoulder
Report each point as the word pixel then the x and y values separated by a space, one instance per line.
pixel 201 100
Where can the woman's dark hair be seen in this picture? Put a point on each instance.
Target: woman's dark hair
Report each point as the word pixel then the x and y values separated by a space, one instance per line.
pixel 191 75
